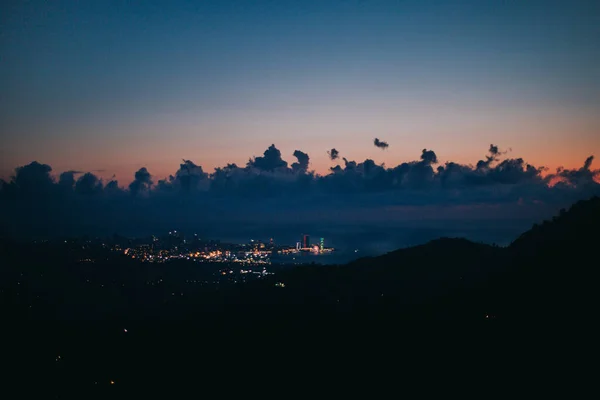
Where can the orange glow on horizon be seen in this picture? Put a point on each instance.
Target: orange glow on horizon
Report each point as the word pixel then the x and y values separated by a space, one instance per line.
pixel 124 175
pixel 319 162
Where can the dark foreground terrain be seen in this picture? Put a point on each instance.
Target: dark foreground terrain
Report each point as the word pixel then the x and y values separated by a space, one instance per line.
pixel 119 328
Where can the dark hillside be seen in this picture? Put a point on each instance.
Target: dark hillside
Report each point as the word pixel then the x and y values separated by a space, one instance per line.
pixel 552 272
pixel 122 320
pixel 548 272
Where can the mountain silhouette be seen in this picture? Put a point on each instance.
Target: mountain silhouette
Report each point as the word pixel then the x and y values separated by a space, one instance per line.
pixel 550 271
pixel 107 323
pixel 547 272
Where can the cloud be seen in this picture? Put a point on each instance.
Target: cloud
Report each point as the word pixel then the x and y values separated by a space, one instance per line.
pixel 429 157
pixel 268 193
pixel 88 184
pixel 190 177
pixel 493 156
pixel 350 165
pixel 381 144
pixel 588 163
pixel 33 178
pixel 67 179
pixel 582 177
pixel 333 154
pixel 302 164
pixel 112 188
pixel 270 161
pixel 142 182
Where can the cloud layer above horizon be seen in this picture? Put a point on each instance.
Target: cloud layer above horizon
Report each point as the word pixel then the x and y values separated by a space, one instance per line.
pixel 268 194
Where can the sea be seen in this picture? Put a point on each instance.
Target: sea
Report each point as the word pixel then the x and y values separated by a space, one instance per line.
pixel 335 257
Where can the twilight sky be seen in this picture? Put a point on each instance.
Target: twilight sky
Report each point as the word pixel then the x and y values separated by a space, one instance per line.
pixel 111 86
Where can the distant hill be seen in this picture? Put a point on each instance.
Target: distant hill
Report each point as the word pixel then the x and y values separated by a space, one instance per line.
pixel 573 228
pixel 136 328
pixel 547 270
pixel 551 271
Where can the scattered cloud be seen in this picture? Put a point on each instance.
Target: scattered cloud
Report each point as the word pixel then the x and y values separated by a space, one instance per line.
pixel 380 143
pixel 333 154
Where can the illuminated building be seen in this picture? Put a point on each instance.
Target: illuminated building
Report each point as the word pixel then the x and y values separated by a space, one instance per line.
pixel 322 244
pixel 306 241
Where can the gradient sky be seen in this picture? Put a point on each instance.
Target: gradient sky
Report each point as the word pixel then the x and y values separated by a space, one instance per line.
pixel 111 86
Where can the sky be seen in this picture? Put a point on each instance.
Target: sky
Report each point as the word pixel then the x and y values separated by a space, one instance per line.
pixel 112 86
pixel 463 118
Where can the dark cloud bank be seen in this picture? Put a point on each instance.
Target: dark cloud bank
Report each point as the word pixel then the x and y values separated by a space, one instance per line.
pixel 362 204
